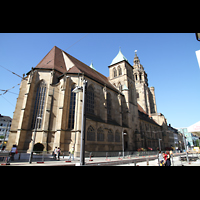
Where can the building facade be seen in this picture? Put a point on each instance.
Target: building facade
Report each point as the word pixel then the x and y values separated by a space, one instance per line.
pixel 5 124
pixel 188 137
pixel 121 103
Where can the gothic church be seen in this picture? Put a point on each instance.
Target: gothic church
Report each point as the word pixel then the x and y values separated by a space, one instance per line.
pixel 121 105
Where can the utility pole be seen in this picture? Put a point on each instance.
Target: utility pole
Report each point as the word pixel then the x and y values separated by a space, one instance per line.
pixel 82 156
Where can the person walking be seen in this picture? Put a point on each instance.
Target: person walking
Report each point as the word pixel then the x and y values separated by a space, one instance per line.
pixel 13 152
pixel 168 161
pixel 55 153
pixel 172 156
pixel 58 152
pixel 165 158
pixel 71 152
pixel 161 159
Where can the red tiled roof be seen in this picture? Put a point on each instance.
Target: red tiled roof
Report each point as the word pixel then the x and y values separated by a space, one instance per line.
pixel 144 116
pixel 54 60
pixel 141 109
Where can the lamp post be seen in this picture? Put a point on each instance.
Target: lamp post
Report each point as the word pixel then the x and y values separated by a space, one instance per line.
pixel 159 143
pixel 33 140
pixel 123 142
pixel 82 150
pixel 184 139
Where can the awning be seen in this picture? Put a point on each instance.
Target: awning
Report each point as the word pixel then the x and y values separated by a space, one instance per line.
pixel 194 129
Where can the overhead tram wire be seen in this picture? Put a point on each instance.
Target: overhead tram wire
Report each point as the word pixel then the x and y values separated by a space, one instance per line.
pixel 5 91
pixel 77 41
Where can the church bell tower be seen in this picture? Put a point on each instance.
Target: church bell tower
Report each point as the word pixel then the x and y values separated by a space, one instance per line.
pixel 141 83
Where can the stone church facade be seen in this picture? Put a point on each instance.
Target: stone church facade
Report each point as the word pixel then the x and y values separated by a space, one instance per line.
pixel 121 105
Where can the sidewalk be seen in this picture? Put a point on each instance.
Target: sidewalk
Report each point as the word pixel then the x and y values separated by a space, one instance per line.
pixel 110 161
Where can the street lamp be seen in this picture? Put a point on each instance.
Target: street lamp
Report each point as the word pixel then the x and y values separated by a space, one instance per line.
pixel 159 143
pixel 33 140
pixel 123 142
pixel 82 150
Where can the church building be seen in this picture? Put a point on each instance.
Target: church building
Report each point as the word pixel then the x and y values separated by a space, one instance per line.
pixel 119 108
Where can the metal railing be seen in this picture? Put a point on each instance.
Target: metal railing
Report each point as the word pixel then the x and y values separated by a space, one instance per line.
pixel 43 156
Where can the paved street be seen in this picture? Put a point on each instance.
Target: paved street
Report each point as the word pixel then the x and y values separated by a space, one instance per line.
pixel 176 162
pixel 111 161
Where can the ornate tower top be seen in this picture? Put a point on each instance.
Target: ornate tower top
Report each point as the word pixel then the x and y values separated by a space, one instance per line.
pixel 140 74
pixel 136 61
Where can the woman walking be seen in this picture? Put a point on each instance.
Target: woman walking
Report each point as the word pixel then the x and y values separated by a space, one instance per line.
pixel 161 159
pixel 168 161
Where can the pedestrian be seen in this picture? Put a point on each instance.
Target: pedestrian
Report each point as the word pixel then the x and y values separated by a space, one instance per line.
pixel 13 152
pixel 165 158
pixel 59 151
pixel 55 153
pixel 168 161
pixel 161 159
pixel 172 156
pixel 71 152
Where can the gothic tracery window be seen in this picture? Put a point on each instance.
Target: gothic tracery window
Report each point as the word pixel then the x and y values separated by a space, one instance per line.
pixel 39 105
pixel 110 136
pixel 72 109
pixel 117 136
pixel 100 134
pixel 120 87
pixel 90 100
pixel 108 106
pixel 119 70
pixel 114 72
pixel 90 134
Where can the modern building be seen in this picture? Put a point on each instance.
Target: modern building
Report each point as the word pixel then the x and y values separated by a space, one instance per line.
pixel 188 135
pixel 120 108
pixel 5 124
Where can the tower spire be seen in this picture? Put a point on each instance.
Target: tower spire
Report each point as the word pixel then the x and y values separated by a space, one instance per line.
pixel 135 53
pixel 92 66
pixel 136 60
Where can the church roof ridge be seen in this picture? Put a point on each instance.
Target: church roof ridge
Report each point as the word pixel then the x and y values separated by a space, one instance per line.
pixel 56 60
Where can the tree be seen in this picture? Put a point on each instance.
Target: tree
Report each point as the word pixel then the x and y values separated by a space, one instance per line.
pixel 197 143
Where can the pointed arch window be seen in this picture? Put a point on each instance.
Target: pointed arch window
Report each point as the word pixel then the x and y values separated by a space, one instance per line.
pixel 136 77
pixel 119 70
pixel 90 134
pixel 100 134
pixel 39 105
pixel 108 106
pixel 110 136
pixel 72 109
pixel 90 100
pixel 120 87
pixel 114 72
pixel 117 136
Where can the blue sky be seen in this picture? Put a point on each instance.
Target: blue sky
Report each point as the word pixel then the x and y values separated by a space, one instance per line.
pixel 168 58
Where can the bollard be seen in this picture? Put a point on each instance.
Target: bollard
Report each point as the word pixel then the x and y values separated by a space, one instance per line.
pixel 19 156
pixel 119 156
pixel 40 162
pixel 43 156
pixel 90 156
pixel 107 157
pixel 129 157
pixel 147 162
